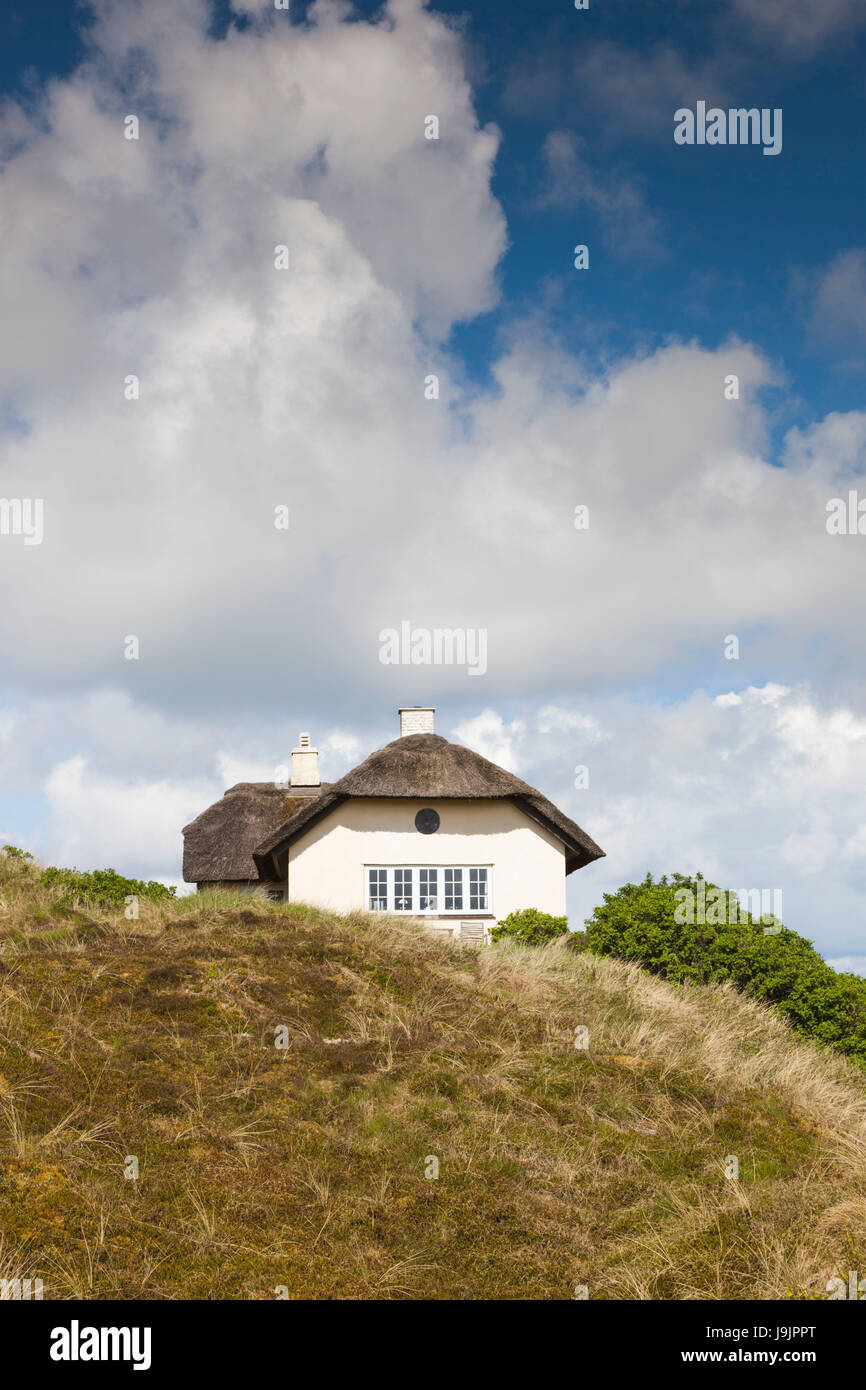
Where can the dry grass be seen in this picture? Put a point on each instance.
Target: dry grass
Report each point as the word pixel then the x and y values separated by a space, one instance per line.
pixel 305 1167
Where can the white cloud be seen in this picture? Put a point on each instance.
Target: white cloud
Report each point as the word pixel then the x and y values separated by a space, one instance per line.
pixel 855 965
pixel 305 388
pixel 764 792
pixel 233 769
pixel 258 387
pixel 340 751
pixel 136 824
pixel 553 719
pixel 488 734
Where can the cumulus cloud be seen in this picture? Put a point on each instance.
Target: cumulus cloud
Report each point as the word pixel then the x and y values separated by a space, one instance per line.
pixel 758 788
pixel 488 734
pixel 134 822
pixel 304 388
pixel 258 388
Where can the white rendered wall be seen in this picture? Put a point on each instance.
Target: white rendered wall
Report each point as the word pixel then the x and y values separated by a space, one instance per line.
pixel 326 866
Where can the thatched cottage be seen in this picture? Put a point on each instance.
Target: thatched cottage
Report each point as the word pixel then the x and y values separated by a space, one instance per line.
pixel 422 827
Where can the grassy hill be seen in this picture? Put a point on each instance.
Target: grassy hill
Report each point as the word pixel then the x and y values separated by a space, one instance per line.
pixel 305 1167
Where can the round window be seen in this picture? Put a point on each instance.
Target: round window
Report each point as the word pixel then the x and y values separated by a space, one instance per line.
pixel 427 821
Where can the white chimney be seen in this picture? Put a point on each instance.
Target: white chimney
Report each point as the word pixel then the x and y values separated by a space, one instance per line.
pixel 305 764
pixel 416 719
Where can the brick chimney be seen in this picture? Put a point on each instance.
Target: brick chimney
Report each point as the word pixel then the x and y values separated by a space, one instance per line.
pixel 305 764
pixel 416 719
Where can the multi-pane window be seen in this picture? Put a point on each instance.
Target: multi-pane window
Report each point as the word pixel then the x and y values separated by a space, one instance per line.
pixel 477 890
pixel 453 890
pixel 378 889
pixel 427 889
pixel 402 890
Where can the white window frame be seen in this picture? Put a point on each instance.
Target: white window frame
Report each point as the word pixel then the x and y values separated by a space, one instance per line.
pixel 416 910
pixel 370 893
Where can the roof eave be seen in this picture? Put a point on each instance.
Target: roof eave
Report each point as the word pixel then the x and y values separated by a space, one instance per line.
pixel 577 854
pixel 271 856
pixel 579 861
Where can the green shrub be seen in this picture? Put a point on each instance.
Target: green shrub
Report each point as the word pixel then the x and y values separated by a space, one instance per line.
pixel 102 887
pixel 16 865
pixel 530 926
pixel 644 922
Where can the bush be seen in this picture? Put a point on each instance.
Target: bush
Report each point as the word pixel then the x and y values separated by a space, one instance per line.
pixel 102 887
pixel 530 926
pixel 644 922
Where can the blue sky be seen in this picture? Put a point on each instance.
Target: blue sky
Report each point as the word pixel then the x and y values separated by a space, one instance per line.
pixel 558 387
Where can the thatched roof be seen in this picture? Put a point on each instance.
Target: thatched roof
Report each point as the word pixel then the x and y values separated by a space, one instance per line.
pixel 218 844
pixel 429 767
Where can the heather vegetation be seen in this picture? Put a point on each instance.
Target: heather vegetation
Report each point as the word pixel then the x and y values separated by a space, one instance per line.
pixel 306 1168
